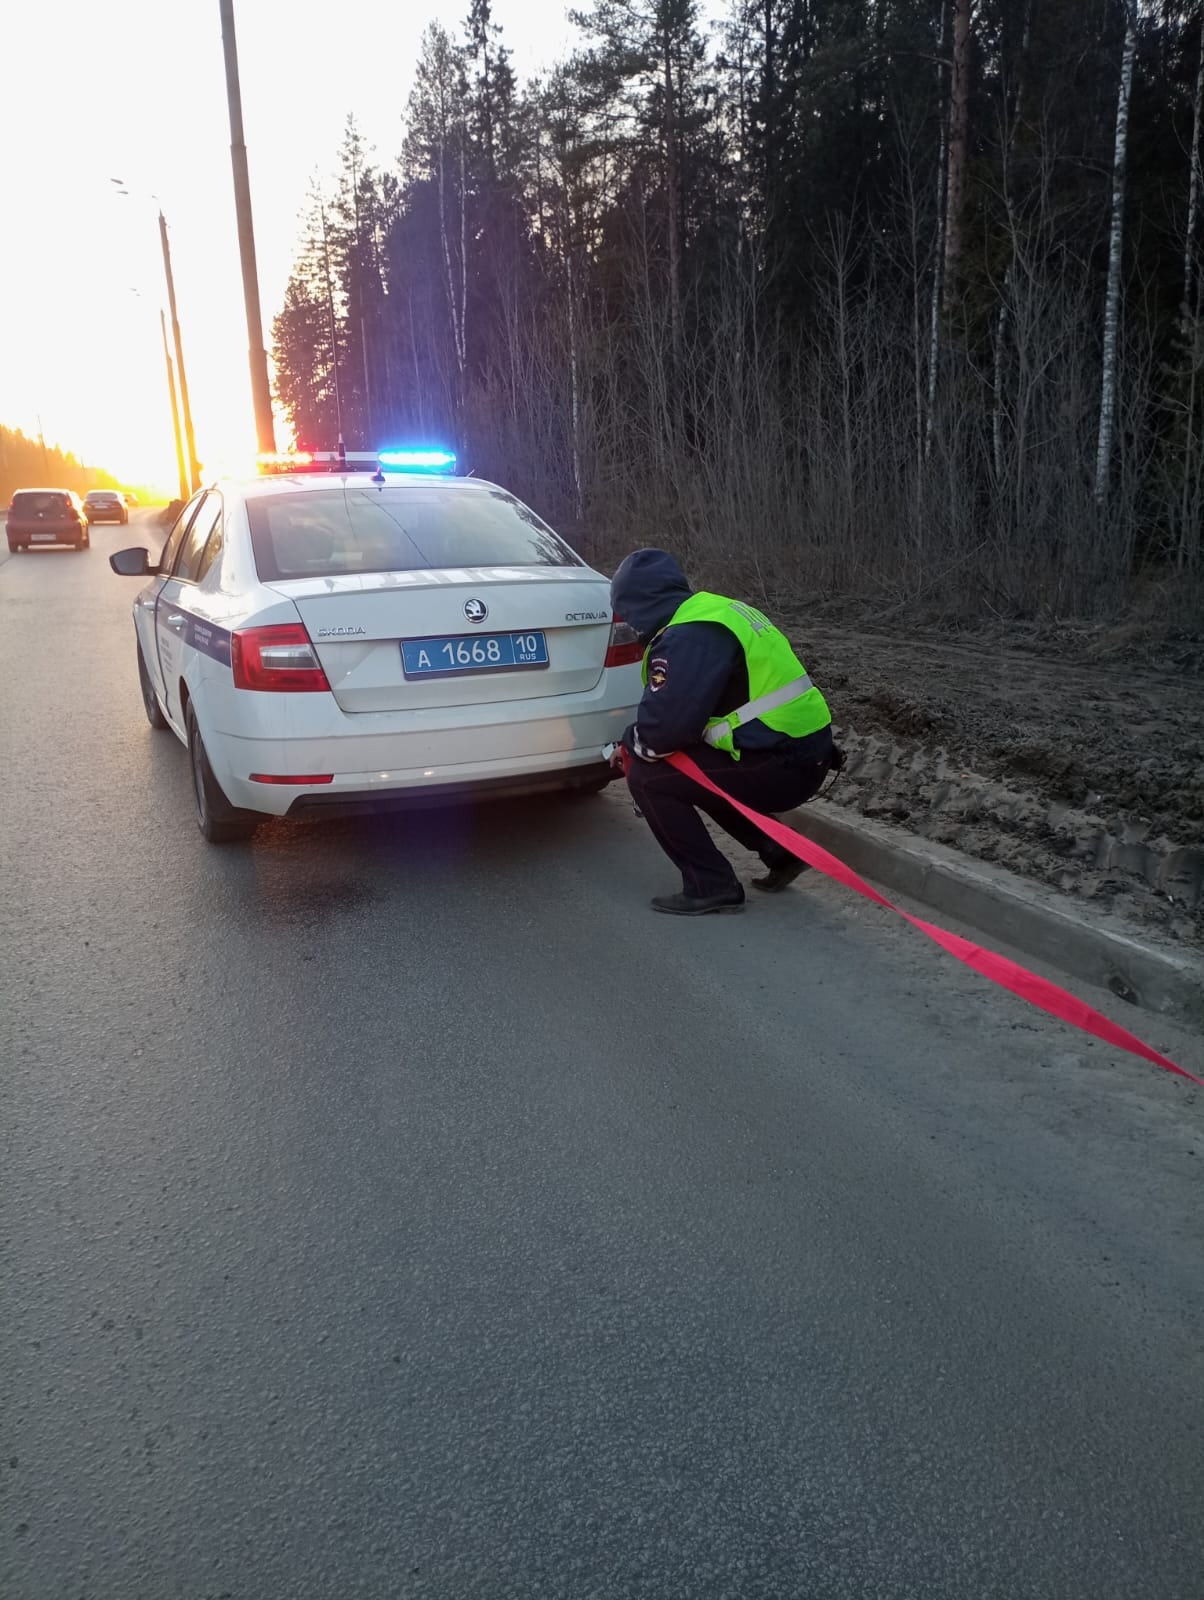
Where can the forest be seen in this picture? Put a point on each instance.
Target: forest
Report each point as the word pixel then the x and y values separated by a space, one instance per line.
pixel 29 463
pixel 892 304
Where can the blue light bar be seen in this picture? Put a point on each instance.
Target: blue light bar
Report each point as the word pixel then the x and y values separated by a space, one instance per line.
pixel 418 460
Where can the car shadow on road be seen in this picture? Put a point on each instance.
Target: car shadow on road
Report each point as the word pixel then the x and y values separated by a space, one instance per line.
pixel 309 872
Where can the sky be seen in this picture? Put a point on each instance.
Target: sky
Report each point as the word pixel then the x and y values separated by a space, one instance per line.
pixel 135 89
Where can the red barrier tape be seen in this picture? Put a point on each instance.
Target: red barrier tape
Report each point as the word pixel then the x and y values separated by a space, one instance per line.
pixel 1037 991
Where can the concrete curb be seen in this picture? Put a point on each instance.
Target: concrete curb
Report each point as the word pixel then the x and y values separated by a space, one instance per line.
pixel 1026 915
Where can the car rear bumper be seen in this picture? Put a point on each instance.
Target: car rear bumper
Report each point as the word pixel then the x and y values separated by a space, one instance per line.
pixel 347 802
pixel 382 757
pixel 106 516
pixel 39 533
pixel 418 765
pixel 399 786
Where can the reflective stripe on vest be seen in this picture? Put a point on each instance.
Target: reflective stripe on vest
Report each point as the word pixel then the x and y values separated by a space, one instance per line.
pixel 724 727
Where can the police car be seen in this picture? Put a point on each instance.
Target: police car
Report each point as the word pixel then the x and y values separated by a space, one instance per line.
pixel 348 632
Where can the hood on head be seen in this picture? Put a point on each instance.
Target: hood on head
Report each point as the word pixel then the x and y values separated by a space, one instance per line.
pixel 647 589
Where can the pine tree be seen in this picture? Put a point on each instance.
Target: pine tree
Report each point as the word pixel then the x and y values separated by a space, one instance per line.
pixel 651 53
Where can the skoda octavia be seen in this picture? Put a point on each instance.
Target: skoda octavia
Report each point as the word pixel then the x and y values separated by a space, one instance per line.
pixel 346 633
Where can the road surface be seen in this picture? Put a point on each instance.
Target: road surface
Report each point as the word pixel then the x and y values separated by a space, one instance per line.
pixel 398 1208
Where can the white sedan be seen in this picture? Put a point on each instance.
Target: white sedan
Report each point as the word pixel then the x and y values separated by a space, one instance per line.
pixel 342 640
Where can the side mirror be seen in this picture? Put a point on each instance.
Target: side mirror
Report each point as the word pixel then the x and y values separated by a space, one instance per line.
pixel 133 563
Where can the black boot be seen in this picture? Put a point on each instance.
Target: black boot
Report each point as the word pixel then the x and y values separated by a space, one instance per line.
pixel 688 905
pixel 781 876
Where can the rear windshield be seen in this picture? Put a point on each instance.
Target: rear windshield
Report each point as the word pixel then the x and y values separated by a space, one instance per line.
pixel 27 500
pixel 101 494
pixel 328 533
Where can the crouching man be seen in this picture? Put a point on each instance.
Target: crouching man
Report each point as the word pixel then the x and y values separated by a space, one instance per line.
pixel 722 685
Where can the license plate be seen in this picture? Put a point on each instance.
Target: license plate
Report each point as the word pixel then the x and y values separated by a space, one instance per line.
pixel 472 652
pixel 47 538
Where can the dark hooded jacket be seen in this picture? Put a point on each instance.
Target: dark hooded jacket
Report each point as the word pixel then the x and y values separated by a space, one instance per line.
pixel 696 670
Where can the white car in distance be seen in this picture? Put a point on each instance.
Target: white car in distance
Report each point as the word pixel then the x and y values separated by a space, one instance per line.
pixel 350 633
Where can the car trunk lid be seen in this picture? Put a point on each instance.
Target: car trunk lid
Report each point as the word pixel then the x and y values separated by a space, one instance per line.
pixel 359 621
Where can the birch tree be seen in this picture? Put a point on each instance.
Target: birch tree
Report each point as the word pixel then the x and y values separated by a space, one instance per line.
pixel 1193 182
pixel 1116 240
pixel 959 125
pixel 940 254
pixel 1190 495
pixel 1013 110
pixel 564 155
pixel 435 149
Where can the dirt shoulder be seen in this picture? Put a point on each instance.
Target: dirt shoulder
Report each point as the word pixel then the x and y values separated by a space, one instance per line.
pixel 1075 756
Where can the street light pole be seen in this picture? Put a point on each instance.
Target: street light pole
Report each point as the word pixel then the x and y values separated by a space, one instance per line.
pixel 194 469
pixel 261 393
pixel 193 474
pixel 175 410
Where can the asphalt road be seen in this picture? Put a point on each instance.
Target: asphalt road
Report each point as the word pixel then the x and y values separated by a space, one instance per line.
pixel 398 1208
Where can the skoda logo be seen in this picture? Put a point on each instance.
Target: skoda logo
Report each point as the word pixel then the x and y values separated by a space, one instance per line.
pixel 476 610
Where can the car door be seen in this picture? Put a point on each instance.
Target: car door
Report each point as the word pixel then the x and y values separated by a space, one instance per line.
pixel 174 615
pixel 147 602
pixel 167 633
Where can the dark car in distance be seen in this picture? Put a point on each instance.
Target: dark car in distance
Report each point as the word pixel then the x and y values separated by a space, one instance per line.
pixel 47 516
pixel 105 505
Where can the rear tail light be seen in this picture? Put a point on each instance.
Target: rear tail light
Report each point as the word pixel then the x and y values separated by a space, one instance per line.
pixel 625 649
pixel 281 660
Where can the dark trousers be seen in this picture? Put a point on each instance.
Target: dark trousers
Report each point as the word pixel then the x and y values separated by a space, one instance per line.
pixel 762 779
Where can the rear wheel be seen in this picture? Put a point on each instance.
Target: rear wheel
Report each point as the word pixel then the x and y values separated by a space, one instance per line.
pixel 150 700
pixel 218 820
pixel 84 542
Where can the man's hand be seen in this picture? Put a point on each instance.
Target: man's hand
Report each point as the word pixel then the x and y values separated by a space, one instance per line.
pixel 629 747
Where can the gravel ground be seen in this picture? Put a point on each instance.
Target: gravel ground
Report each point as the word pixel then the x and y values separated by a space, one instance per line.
pixel 1075 756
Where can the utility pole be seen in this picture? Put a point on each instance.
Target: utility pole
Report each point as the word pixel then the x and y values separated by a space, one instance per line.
pixel 261 392
pixel 193 474
pixel 42 442
pixel 194 469
pixel 175 410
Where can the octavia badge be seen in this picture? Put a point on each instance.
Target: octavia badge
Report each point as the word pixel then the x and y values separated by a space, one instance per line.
pixel 476 610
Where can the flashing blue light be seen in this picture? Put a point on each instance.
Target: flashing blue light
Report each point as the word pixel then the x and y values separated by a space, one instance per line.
pixel 418 460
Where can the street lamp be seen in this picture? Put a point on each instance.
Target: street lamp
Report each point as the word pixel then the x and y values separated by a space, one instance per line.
pixel 194 468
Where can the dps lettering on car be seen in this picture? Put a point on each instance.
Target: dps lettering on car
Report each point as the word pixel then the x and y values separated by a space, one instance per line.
pixel 208 638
